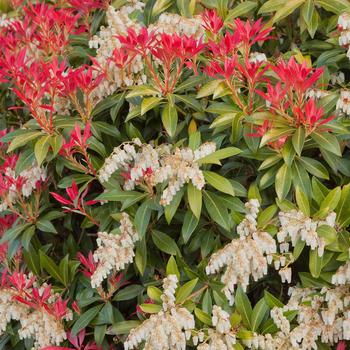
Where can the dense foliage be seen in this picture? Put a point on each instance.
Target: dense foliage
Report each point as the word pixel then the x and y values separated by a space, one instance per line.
pixel 174 174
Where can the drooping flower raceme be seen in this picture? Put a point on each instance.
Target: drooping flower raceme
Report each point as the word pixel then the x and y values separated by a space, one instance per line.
pixel 39 311
pixel 114 251
pixel 247 256
pixel 343 103
pixel 168 329
pixel 296 225
pixel 222 337
pixel 344 31
pixel 143 164
pixel 321 315
pixel 15 186
pixel 342 276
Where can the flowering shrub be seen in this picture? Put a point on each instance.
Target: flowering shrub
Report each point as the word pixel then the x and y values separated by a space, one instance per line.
pixel 174 175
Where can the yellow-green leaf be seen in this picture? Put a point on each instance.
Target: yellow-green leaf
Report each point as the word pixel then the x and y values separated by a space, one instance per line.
pixel 169 119
pixel 41 148
pixel 219 182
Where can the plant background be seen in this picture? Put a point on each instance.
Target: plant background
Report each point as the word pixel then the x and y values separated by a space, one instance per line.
pixel 306 30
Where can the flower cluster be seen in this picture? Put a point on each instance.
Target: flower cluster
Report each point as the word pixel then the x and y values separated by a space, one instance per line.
pixel 222 337
pixel 296 225
pixel 344 31
pixel 168 329
pixel 16 188
pixel 39 311
pixel 121 67
pixel 114 251
pixel 133 132
pixel 106 43
pixel 144 164
pixel 343 103
pixel 342 275
pixel 321 315
pixel 247 256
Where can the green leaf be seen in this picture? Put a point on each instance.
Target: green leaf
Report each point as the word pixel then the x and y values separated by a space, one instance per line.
pixel 208 88
pixel 217 211
pixel 124 327
pixel 315 263
pixel 253 192
pixel 301 178
pixel 142 90
pixel 274 135
pixel 150 308
pixel 189 225
pixel 106 104
pixel 314 167
pixel 170 210
pixel 171 267
pixel 235 319
pixel 184 291
pixel 243 307
pixel 116 108
pixel 307 12
pixel 343 207
pixel 298 139
pixel 335 6
pixel 63 268
pixel 258 314
pixel 23 139
pixel 41 148
pixel 184 8
pixel 56 142
pixel 312 27
pixel 302 201
pixel 25 160
pixel 245 334
pixel 241 9
pixel 271 6
pixel 194 196
pixel 298 248
pixel 288 152
pixel 85 319
pixel 283 181
pixel 120 196
pixel 27 236
pixel 271 300
pixel 45 226
pixel 142 217
pixel 129 292
pixel 288 7
pixel 331 201
pixel 194 140
pixel 99 333
pixel 12 233
pixel 236 128
pixel 154 293
pixel 149 103
pixel 160 6
pixel 165 243
pixel 169 119
pixel 327 141
pixel 141 256
pixel 267 215
pixel 189 83
pixel 189 101
pixel 32 260
pixel 214 158
pixel 328 233
pixel 49 265
pixel 219 182
pixel 202 316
